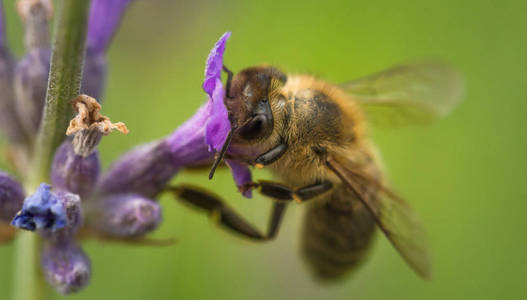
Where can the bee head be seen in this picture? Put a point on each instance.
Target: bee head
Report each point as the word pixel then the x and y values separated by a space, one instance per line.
pixel 249 99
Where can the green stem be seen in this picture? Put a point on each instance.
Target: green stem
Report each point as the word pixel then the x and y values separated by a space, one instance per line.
pixel 28 278
pixel 64 82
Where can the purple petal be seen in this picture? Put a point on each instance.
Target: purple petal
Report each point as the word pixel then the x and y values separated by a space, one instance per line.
pixel 241 175
pixel 11 197
pixel 218 126
pixel 105 16
pixel 215 64
pixel 94 75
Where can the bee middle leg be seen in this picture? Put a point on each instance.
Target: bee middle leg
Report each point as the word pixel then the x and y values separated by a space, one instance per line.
pixel 226 216
pixel 282 192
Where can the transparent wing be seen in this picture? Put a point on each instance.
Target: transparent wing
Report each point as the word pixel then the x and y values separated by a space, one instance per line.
pixel 393 215
pixel 415 92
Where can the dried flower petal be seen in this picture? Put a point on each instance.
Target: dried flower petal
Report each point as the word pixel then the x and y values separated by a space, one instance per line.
pixel 75 173
pixel 89 126
pixel 66 267
pixel 105 16
pixel 26 8
pixel 11 197
pixel 126 215
pixel 55 215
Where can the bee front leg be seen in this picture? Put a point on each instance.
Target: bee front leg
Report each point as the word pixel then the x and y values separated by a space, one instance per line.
pixel 225 215
pixel 270 156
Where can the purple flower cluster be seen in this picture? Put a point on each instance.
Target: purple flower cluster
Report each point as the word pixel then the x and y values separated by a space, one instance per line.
pixel 83 201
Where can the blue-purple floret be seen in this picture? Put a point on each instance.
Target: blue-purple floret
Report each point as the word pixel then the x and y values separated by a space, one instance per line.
pixel 47 211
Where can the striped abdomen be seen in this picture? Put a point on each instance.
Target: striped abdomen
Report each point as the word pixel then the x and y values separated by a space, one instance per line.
pixel 336 234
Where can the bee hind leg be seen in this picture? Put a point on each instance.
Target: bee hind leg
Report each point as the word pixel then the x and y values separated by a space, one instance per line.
pixel 225 216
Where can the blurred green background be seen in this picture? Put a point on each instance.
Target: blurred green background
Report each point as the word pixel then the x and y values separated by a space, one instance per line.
pixel 464 174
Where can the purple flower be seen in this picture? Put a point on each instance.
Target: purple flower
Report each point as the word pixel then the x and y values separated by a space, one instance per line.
pixel 146 169
pixel 105 16
pixel 66 267
pixel 126 215
pixel 11 197
pixel 55 215
pixel 56 212
pixel 218 125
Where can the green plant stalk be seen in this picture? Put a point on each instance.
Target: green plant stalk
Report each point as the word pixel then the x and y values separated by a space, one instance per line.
pixel 64 82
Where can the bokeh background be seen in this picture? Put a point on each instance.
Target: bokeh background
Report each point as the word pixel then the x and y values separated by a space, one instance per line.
pixel 465 174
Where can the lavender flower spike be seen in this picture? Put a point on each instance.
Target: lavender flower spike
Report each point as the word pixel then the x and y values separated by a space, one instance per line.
pixel 125 215
pixel 66 267
pixel 11 197
pixel 54 215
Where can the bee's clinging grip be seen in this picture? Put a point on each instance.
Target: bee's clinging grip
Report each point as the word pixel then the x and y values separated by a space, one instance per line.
pixel 225 215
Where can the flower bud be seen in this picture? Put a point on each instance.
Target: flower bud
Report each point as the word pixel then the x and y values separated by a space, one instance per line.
pixel 94 75
pixel 11 197
pixel 10 125
pixel 57 216
pixel 75 173
pixel 65 266
pixel 146 169
pixel 31 79
pixel 125 215
pixel 31 73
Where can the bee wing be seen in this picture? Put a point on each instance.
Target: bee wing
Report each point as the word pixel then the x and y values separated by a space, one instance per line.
pixel 394 216
pixel 417 92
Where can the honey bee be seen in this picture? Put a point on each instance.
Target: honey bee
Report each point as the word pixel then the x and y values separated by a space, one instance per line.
pixel 313 136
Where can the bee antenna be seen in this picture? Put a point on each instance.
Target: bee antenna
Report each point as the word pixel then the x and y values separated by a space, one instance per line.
pixel 221 154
